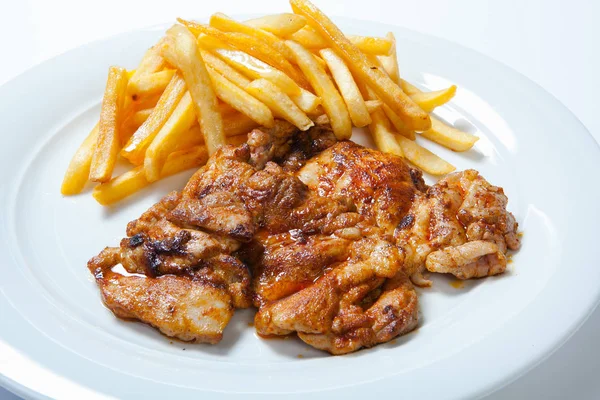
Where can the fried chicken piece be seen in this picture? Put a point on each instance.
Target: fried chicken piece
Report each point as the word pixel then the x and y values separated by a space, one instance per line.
pixel 179 307
pixel 463 225
pixel 184 248
pixel 336 314
pixel 381 186
pixel 470 260
pixel 459 209
pixel 320 268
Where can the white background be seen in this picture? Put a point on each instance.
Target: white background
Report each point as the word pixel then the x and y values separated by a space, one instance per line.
pixel 554 43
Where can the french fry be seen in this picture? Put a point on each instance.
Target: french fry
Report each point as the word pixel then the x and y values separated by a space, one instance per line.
pixel 134 180
pixel 237 140
pixel 151 62
pixel 279 24
pixel 345 82
pixel 372 45
pixel 224 69
pixel 240 100
pixel 381 131
pixel 310 39
pixel 151 83
pixel 428 101
pixel 224 23
pixel 138 143
pixel 424 158
pixel 139 117
pixel 331 99
pixel 78 170
pixel 108 140
pixel 306 101
pixel 251 45
pixel 167 139
pixel 412 115
pixel 373 105
pixel 390 62
pixel 144 102
pixel 409 88
pixel 279 102
pixel 238 124
pixel 399 125
pixel 256 69
pixel 448 136
pixel 181 51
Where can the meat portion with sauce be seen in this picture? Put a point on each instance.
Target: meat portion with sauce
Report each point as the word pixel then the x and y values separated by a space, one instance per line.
pixel 459 226
pixel 325 238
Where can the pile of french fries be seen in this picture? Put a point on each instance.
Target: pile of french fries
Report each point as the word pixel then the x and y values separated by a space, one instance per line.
pixel 205 85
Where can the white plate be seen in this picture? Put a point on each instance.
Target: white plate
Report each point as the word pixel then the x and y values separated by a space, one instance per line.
pixel 57 339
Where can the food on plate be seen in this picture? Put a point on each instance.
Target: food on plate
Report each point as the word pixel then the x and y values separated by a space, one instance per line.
pixel 180 49
pixel 325 237
pixel 111 115
pixel 212 76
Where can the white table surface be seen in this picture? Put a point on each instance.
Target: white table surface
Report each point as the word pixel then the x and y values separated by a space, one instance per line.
pixel 554 43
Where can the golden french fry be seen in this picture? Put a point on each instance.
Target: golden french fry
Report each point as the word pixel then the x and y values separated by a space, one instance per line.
pixel 428 101
pixel 372 45
pixel 151 62
pixel 225 109
pixel 134 180
pixel 345 82
pixel 149 84
pixel 224 23
pixel 138 143
pixel 448 136
pixel 279 24
pixel 253 46
pixel 238 124
pixel 409 88
pixel 399 125
pixel 390 62
pixel 139 117
pixel 256 69
pixel 237 140
pixel 240 100
pixel 182 52
pixel 144 102
pixel 279 102
pixel 224 69
pixel 373 105
pixel 167 139
pixel 424 158
pixel 381 131
pixel 78 171
pixel 412 115
pixel 111 115
pixel 306 101
pixel 332 100
pixel 310 39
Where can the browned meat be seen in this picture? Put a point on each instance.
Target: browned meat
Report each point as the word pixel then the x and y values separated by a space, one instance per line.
pixel 380 185
pixel 179 307
pixel 460 226
pixel 184 249
pixel 331 232
pixel 461 208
